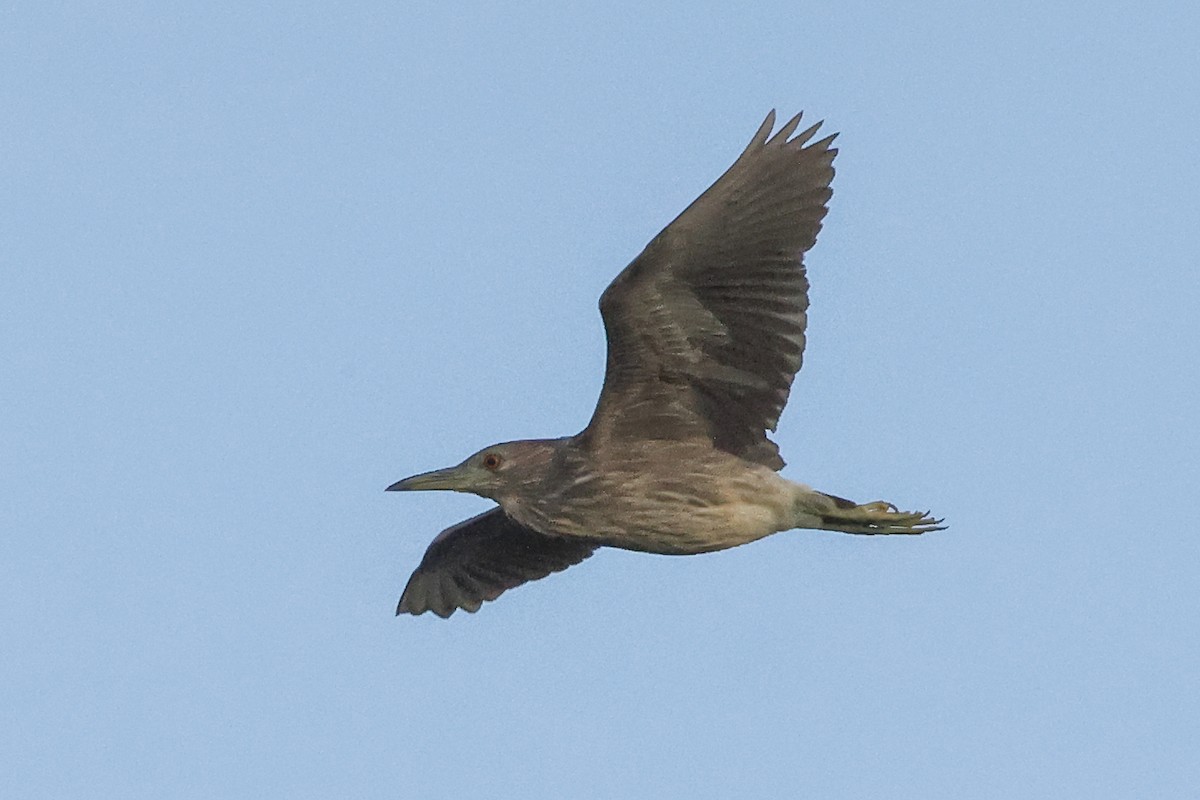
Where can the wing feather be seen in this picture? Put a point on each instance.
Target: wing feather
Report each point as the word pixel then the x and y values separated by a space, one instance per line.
pixel 706 327
pixel 479 559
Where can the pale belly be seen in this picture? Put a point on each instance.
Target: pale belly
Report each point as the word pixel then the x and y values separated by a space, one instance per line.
pixel 697 508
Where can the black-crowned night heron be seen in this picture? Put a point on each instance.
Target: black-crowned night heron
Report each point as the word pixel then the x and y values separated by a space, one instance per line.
pixel 705 333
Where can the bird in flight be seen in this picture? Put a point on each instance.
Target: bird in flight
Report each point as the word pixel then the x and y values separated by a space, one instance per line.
pixel 705 334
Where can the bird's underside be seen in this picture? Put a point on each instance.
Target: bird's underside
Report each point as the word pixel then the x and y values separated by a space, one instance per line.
pixel 706 331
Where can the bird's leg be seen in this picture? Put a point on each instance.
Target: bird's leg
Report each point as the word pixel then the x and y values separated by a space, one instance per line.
pixel 879 517
pixel 827 512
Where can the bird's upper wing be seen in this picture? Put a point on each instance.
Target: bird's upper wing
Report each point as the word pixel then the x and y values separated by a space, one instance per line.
pixel 481 558
pixel 706 326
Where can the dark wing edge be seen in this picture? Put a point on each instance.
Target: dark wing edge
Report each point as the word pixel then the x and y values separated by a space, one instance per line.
pixel 706 327
pixel 479 559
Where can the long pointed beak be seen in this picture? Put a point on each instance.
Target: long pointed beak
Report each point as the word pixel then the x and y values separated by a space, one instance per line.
pixel 449 479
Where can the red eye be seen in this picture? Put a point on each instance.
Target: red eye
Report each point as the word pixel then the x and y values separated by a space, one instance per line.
pixel 492 461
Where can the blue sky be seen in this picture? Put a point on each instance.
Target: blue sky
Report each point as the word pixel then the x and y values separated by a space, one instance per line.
pixel 260 261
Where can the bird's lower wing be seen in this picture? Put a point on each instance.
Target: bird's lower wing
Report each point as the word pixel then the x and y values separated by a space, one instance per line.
pixel 481 558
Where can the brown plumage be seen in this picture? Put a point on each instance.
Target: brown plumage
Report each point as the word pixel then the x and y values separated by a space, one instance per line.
pixel 705 333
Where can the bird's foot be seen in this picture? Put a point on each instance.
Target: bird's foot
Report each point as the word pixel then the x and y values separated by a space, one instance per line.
pixel 880 517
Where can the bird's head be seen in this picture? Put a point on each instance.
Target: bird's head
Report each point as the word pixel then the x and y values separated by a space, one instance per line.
pixel 494 472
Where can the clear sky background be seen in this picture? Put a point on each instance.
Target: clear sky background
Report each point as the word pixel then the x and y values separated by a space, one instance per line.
pixel 261 260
